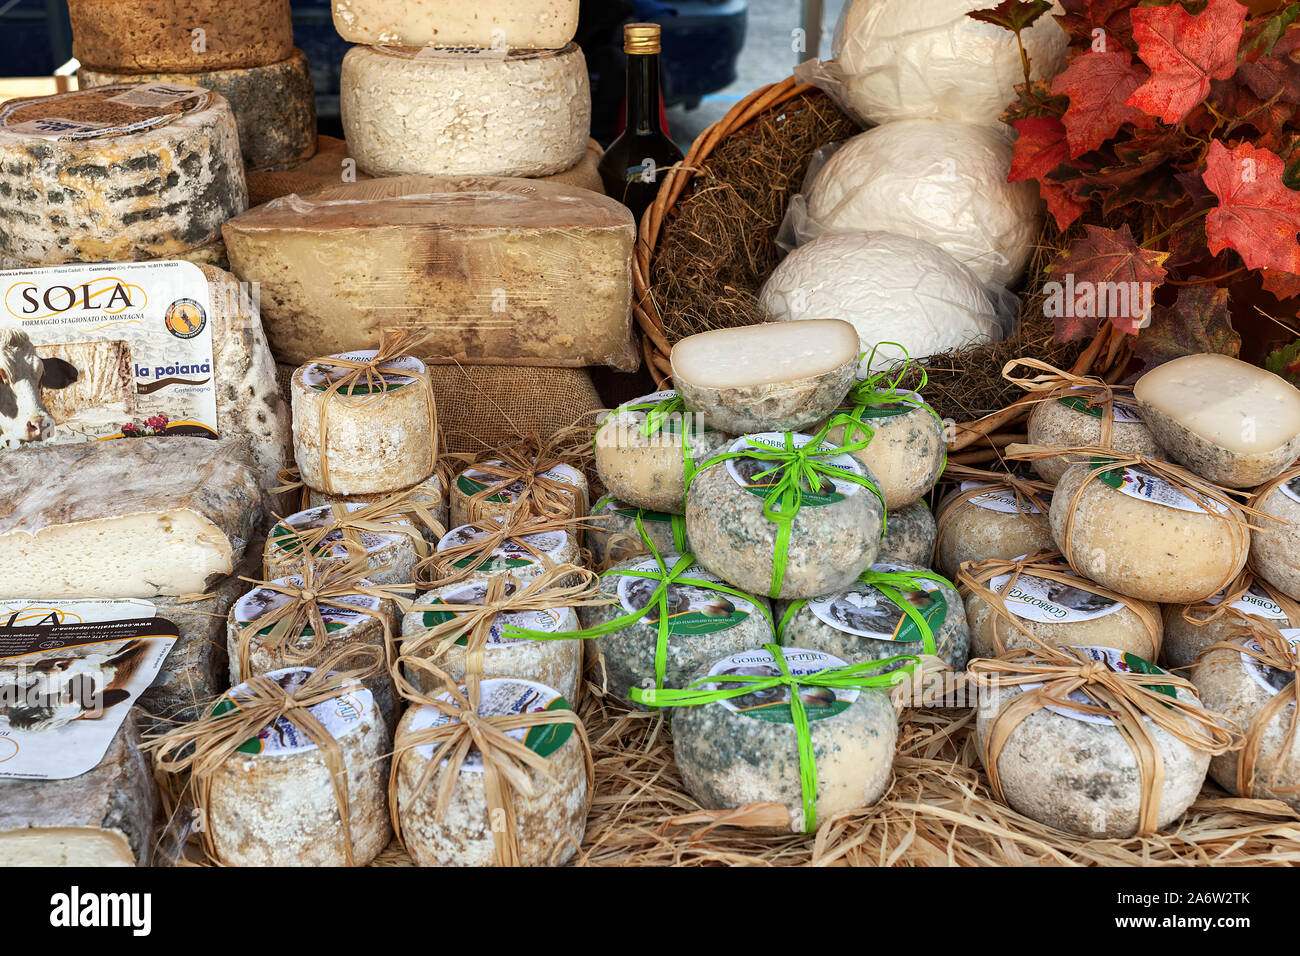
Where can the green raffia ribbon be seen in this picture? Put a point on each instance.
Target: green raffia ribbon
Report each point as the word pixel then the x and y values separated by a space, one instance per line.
pixel 678 523
pixel 658 414
pixel 861 676
pixel 891 584
pixel 798 465
pixel 659 598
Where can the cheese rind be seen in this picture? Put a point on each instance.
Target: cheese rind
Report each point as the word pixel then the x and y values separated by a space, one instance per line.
pixel 108 519
pixel 910 534
pixel 500 271
pixel 1275 546
pixel 390 556
pixel 906 448
pixel 503 502
pixel 1185 640
pixel 1053 422
pixel 970 532
pixel 408 112
pixel 510 558
pixel 614 538
pixel 428 493
pixel 515 24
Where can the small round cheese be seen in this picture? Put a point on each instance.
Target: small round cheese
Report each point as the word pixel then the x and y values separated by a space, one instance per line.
pixel 891 288
pixel 510 557
pixel 938 181
pixel 377 441
pixel 910 533
pixel 427 493
pixel 1275 546
pixel 981 521
pixel 505 499
pixel 556 664
pixel 390 558
pixel 1236 685
pixel 904 60
pixel 1135 533
pixel 1185 639
pixel 1076 772
pixel 834 537
pixel 703 625
pixel 906 448
pixel 615 538
pixel 861 623
pixel 745 749
pixel 550 822
pixel 273 802
pixel 1069 421
pixel 649 471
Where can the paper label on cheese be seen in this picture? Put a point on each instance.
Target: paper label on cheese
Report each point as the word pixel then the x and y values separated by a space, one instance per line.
pixel 339 716
pixel 1271 679
pixel 908 402
pixel 157 94
pixel 102 111
pixel 1001 501
pixel 66 688
pixel 691 608
pixel 772 704
pixel 1051 602
pixel 1123 411
pixel 462 54
pixel 752 473
pixel 1292 489
pixel 259 602
pixel 35 613
pixel 472 481
pixel 56 127
pixel 285 534
pixel 504 696
pixel 388 377
pixel 1118 661
pixel 549 545
pixel 865 611
pixel 1256 604
pixel 550 620
pixel 139 336
pixel 1143 484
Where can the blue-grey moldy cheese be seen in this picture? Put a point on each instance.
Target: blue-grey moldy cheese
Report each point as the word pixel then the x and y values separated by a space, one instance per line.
pixel 905 447
pixel 859 623
pixel 745 750
pixel 614 537
pixel 834 537
pixel 910 535
pixel 704 624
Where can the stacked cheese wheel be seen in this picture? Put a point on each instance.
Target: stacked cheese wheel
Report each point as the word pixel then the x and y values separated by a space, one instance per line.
pixel 243 51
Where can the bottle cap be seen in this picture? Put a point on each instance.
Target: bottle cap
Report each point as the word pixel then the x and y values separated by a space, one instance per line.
pixel 641 38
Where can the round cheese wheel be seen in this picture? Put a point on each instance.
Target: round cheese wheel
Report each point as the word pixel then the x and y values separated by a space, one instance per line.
pixel 938 181
pixel 428 493
pixel 615 537
pixel 703 624
pixel 1145 538
pixel 391 558
pixel 745 749
pixel 649 471
pixel 1053 749
pixel 905 60
pixel 550 822
pixel 510 558
pixel 376 441
pixel 556 664
pixel 834 537
pixel 891 288
pixel 1185 639
pixel 910 533
pixel 1071 422
pixel 504 500
pixel 1275 548
pixel 861 623
pixel 981 521
pixel 1238 686
pixel 273 803
pixel 429 111
pixel 906 448
pixel 120 173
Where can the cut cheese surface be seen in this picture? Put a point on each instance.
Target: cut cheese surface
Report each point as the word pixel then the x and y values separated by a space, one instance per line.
pixel 512 24
pixel 760 354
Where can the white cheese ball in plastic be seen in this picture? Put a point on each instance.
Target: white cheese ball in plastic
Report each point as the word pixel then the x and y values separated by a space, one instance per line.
pixel 891 288
pixel 935 180
pixel 912 59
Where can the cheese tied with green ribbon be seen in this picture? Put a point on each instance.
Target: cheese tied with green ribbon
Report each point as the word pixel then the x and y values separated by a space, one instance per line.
pixel 618 534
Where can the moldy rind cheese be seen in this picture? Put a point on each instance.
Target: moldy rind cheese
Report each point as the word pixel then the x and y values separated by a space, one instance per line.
pixel 501 271
pixel 1185 639
pixel 1071 422
pixel 427 493
pixel 390 556
pixel 977 522
pixel 89 177
pixel 511 558
pixel 506 499
pixel 910 534
pixel 515 24
pixel 134 517
pixel 745 749
pixel 274 105
pixel 429 112
pixel 614 538
pixel 142 36
pixel 272 803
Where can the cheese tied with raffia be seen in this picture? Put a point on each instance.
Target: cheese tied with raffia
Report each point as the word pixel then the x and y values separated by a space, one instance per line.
pixel 984 521
pixel 390 556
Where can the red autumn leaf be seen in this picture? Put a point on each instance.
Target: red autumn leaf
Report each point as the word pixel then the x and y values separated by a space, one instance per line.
pixel 1082 17
pixel 1040 148
pixel 1257 216
pixel 1063 202
pixel 1280 285
pixel 1184 53
pixel 1198 321
pixel 1098 84
pixel 1105 275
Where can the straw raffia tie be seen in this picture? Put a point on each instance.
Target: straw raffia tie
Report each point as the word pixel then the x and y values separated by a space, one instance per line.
pixel 976 575
pixel 1126 698
pixel 1029 494
pixel 506 761
pixel 378 517
pixel 439 568
pixel 525 464
pixel 1054 383
pixel 1240 586
pixel 399 502
pixel 203 746
pixel 291 483
pixel 367 376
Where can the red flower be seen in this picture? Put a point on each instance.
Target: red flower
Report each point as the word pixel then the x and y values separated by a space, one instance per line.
pixel 158 423
pixel 131 430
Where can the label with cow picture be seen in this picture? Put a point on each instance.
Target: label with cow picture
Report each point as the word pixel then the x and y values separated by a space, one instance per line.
pixel 758 476
pixel 691 605
pixel 68 682
pixel 339 715
pixel 121 350
pixel 551 619
pixel 337 614
pixel 772 704
pixel 1051 602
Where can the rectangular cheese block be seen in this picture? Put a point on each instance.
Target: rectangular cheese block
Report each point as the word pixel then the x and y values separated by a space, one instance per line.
pixel 105 379
pixel 503 24
pixel 102 818
pixel 499 271
pixel 135 517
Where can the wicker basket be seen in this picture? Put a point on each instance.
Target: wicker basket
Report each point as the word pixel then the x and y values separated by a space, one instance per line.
pixel 1106 355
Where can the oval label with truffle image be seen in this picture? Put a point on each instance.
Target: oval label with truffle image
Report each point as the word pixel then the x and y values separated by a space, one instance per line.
pixel 502 697
pixel 472 481
pixel 1123 412
pixel 868 612
pixel 511 553
pixel 1145 485
pixel 758 476
pixel 1271 679
pixel 388 377
pixel 339 715
pixel 1001 500
pixel 259 602
pixel 906 402
pixel 1119 661
pixel 1255 603
pixel 772 704
pixel 1051 602
pixel 549 620
pixel 691 608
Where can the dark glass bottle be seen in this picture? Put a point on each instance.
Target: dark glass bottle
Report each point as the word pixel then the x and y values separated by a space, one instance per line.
pixel 634 166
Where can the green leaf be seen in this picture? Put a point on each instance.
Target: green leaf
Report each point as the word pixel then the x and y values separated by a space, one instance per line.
pixel 1013 15
pixel 1285 362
